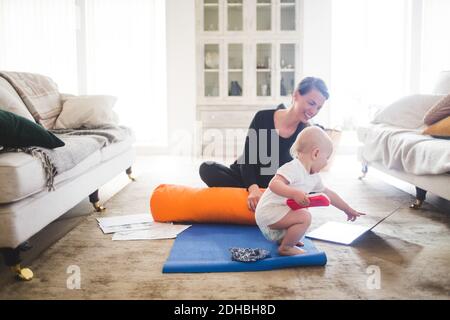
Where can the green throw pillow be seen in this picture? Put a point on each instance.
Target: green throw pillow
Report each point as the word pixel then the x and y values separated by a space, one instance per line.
pixel 17 131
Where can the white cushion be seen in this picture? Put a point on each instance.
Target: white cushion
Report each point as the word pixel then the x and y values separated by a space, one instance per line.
pixel 407 112
pixel 21 175
pixel 87 112
pixel 114 149
pixel 362 132
pixel 10 101
pixel 21 220
pixel 442 85
pixel 406 150
pixel 65 96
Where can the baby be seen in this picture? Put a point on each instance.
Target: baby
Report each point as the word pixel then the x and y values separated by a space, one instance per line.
pixel 296 179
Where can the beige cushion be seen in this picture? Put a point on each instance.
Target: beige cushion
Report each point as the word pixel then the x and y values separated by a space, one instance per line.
pixel 87 112
pixel 407 112
pixel 438 112
pixel 11 102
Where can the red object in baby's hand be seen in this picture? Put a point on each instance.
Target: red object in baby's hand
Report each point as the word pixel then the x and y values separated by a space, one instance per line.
pixel 315 200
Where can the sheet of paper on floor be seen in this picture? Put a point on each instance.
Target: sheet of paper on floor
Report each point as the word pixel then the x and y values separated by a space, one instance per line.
pixel 154 232
pixel 123 220
pixel 127 227
pixel 125 223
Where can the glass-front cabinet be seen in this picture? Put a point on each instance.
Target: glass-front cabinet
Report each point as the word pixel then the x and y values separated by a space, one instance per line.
pixel 232 15
pixel 249 58
pixel 249 50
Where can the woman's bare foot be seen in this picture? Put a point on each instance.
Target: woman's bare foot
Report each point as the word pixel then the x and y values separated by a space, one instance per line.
pixel 290 251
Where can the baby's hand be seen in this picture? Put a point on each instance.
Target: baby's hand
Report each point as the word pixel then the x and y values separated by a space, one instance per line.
pixel 301 198
pixel 353 214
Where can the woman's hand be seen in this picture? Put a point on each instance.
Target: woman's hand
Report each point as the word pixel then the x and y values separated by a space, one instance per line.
pixel 254 194
pixel 301 198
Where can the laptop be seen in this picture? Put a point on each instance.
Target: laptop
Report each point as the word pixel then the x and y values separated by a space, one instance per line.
pixel 342 233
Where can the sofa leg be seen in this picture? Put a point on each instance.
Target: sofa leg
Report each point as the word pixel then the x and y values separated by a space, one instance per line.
pixel 364 170
pixel 12 260
pixel 94 199
pixel 129 173
pixel 420 198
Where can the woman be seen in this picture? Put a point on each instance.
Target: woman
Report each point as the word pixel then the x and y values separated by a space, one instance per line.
pixel 252 170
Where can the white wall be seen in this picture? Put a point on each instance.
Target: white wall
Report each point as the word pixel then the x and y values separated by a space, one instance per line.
pixel 181 77
pixel 317 47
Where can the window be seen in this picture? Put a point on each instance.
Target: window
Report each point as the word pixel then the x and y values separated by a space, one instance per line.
pixel 40 36
pixel 119 51
pixel 436 42
pixel 369 58
pixel 126 56
pixel 382 50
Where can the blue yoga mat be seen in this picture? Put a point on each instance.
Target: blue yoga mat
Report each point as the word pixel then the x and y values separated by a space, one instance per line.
pixel 205 248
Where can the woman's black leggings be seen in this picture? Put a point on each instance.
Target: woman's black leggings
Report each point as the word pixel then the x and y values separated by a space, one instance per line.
pixel 217 175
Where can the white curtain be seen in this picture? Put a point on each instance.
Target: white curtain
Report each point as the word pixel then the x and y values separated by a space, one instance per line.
pixel 124 46
pixel 436 41
pixel 40 36
pixel 126 56
pixel 382 50
pixel 369 57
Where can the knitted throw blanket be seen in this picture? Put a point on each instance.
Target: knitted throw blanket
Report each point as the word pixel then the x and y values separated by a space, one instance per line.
pixel 39 93
pixel 79 144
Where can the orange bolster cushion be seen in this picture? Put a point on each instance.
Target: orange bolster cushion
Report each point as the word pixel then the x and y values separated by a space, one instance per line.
pixel 174 203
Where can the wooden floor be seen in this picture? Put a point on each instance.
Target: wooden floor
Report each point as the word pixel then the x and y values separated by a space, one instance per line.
pixel 410 249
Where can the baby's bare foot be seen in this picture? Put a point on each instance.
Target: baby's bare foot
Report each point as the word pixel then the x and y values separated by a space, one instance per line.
pixel 299 244
pixel 290 251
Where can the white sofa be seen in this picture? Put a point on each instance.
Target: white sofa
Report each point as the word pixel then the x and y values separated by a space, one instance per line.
pixel 408 155
pixel 26 207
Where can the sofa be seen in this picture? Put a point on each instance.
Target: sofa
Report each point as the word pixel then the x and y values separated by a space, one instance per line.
pixel 27 205
pixel 395 143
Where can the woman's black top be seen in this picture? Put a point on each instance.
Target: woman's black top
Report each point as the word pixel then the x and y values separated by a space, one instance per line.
pixel 259 166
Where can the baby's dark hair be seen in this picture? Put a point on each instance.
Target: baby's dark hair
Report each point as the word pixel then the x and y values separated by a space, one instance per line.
pixel 309 83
